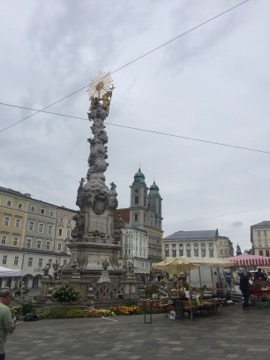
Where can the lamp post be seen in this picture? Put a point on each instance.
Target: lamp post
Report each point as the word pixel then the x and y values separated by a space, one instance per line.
pixel 21 293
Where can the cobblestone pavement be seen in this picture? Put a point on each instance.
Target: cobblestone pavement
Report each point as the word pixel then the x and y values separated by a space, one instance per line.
pixel 234 334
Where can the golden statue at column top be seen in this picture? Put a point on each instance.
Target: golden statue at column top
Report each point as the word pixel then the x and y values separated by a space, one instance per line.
pixel 101 88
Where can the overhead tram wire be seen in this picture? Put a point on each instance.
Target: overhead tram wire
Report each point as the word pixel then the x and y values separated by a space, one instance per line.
pixel 218 216
pixel 143 130
pixel 131 62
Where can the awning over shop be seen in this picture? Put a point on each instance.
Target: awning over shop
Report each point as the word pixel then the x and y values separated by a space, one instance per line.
pixel 249 260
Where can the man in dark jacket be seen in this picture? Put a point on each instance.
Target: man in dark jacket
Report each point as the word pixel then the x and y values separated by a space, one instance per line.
pixel 244 287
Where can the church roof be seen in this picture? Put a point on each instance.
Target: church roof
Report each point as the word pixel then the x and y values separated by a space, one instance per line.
pixel 154 189
pixel 139 177
pixel 193 235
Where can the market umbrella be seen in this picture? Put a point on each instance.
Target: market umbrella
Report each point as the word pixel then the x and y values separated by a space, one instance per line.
pixel 249 260
pixel 174 265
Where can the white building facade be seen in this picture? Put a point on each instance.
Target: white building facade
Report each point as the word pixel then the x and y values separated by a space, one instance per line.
pixel 134 250
pixel 202 243
pixel 260 238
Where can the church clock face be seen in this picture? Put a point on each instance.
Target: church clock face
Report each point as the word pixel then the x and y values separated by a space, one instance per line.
pixel 137 190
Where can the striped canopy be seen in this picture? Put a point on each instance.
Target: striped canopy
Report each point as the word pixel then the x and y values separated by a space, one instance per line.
pixel 249 260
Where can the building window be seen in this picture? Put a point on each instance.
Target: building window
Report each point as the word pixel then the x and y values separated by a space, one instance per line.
pixel 60 232
pixel 30 261
pixel 33 208
pixel 48 245
pixel 28 243
pixel 221 251
pixel 15 241
pixel 20 206
pixel 16 260
pixel 40 263
pixel 211 253
pixel 4 261
pixel 9 203
pixel 68 233
pixel 39 243
pixel 260 252
pixel 6 221
pixel 69 221
pixel 203 253
pixel 31 225
pixel 181 252
pixel 59 246
pixel 61 220
pixel 65 261
pixel 188 253
pixel 51 213
pixel 41 227
pixel 42 211
pixel 17 223
pixel 267 253
pixel 50 229
pixel 4 240
pixel 196 252
pixel 136 200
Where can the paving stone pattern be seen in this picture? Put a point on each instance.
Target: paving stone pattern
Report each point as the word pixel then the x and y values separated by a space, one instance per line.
pixel 234 334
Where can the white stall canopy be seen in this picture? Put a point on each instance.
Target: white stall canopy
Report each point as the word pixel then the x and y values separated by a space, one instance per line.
pixel 6 272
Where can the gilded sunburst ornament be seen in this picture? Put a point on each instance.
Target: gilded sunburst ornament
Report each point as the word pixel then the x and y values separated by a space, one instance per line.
pixel 100 85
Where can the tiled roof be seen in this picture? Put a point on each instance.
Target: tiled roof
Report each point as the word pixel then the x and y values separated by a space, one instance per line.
pixel 200 234
pixel 263 223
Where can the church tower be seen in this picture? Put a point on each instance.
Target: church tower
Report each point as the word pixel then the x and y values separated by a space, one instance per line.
pixel 138 200
pixel 146 213
pixel 154 207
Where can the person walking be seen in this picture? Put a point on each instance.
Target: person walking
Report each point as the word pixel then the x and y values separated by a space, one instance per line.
pixel 244 287
pixel 7 324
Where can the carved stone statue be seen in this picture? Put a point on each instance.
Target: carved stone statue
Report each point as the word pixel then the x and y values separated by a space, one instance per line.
pixel 46 269
pixel 118 226
pixel 105 264
pixel 78 231
pixel 130 268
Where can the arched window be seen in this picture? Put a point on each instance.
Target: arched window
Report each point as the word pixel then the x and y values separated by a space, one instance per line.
pixel 136 200
pixel 136 217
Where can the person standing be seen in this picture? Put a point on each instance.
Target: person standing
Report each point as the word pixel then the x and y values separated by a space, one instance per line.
pixel 7 324
pixel 259 275
pixel 244 287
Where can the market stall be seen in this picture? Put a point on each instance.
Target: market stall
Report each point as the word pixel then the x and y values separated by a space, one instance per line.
pixel 259 289
pixel 193 300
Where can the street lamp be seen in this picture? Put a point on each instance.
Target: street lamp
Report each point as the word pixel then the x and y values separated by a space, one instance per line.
pixel 21 293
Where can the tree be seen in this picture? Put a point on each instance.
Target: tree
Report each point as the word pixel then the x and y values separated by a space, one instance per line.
pixel 249 252
pixel 238 250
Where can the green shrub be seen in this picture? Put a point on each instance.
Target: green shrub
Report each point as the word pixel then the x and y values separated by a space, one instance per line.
pixel 28 309
pixel 66 293
pixel 151 289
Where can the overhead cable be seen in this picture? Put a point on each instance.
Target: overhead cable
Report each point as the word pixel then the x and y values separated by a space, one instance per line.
pixel 143 130
pixel 131 62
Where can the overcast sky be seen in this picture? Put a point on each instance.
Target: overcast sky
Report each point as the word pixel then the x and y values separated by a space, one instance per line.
pixel 210 84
